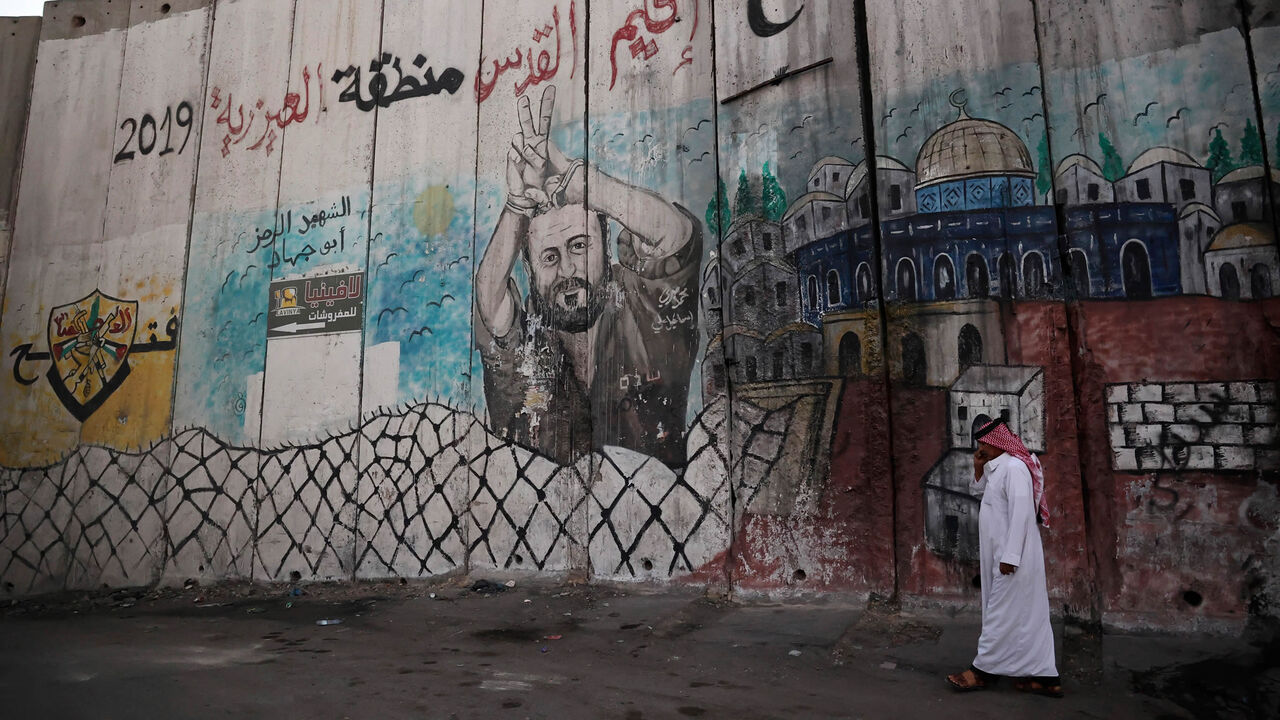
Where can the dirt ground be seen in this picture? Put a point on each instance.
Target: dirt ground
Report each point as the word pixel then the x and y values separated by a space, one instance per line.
pixel 544 650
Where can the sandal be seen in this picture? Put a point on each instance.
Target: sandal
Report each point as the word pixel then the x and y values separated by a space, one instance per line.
pixel 966 681
pixel 1039 688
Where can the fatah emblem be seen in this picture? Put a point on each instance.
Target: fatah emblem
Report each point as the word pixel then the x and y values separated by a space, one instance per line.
pixel 89 343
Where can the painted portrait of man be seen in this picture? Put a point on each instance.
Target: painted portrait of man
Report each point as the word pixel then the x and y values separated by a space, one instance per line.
pixel 600 351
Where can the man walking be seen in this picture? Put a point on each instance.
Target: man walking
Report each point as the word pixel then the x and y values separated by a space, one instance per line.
pixel 1017 640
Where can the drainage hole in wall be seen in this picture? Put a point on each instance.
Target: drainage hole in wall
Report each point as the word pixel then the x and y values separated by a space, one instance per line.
pixel 799 576
pixel 1192 598
pixel 77 21
pixel 977 581
pixel 519 559
pixel 294 576
pixel 201 568
pixel 164 9
pixel 647 564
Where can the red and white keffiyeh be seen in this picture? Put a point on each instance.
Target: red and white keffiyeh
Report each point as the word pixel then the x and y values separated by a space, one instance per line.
pixel 997 434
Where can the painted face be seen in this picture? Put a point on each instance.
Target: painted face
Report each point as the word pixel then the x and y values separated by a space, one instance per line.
pixel 567 267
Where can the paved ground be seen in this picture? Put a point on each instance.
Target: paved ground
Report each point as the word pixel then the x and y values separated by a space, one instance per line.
pixel 546 651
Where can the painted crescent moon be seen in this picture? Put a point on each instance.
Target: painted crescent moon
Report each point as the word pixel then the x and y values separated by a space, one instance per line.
pixel 761 25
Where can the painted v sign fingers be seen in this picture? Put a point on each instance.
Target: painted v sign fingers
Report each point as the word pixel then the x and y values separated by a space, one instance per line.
pixel 545 110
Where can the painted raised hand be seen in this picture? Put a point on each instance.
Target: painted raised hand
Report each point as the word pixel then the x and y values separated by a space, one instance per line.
pixel 535 165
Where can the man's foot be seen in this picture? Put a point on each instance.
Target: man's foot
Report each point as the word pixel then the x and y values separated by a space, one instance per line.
pixel 967 681
pixel 1039 688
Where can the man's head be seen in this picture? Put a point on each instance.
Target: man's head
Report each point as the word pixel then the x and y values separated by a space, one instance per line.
pixel 985 449
pixel 568 267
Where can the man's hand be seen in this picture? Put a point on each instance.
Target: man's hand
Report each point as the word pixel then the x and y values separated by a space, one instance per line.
pixel 1007 569
pixel 980 459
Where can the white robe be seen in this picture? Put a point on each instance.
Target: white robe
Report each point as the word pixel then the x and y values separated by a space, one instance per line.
pixel 1017 640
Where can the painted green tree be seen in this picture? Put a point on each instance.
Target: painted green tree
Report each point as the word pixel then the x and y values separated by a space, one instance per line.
pixel 1219 162
pixel 718 216
pixel 1250 146
pixel 1112 165
pixel 745 201
pixel 772 197
pixel 1044 178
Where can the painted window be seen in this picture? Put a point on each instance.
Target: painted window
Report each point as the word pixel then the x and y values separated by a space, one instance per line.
pixel 767 241
pixel 833 288
pixel 1008 276
pixel 944 278
pixel 806 356
pixel 1240 210
pixel 1260 281
pixel 778 361
pixel 1062 197
pixel 1144 189
pixel 850 355
pixel 865 291
pixel 1094 192
pixel 748 295
pixel 1229 281
pixel 915 368
pixel 1187 188
pixel 835 178
pixel 780 291
pixel 1079 272
pixel 1033 281
pixel 826 213
pixel 895 197
pixel 906 276
pixel 738 247
pixel 812 292
pixel 977 280
pixel 751 369
pixel 864 206
pixel 1135 269
pixel 969 346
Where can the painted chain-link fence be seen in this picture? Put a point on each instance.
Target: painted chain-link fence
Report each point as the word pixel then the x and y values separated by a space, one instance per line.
pixel 418 493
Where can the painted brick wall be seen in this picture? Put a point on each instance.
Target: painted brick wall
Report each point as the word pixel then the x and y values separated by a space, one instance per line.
pixel 1193 426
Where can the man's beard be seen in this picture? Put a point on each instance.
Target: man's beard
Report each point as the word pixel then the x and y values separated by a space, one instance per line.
pixel 579 312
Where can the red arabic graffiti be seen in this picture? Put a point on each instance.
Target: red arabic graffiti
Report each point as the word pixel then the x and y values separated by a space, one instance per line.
pixel 67 327
pixel 294 109
pixel 646 48
pixel 543 62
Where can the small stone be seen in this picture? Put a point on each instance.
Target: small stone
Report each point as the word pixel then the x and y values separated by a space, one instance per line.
pixel 795 653
pixel 888 666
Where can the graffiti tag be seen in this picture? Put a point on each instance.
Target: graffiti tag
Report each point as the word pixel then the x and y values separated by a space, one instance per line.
pixel 295 108
pixel 144 133
pixel 647 19
pixel 542 60
pixel 404 87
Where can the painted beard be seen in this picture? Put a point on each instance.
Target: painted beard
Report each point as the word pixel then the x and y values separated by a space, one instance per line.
pixel 572 305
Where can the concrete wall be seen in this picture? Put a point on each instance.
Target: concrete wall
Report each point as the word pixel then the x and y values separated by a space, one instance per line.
pixel 18 38
pixel 412 288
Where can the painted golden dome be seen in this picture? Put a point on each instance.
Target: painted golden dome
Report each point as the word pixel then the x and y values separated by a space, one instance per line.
pixel 971 147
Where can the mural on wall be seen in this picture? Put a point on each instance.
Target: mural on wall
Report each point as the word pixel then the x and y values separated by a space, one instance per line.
pixel 591 333
pixel 588 344
pixel 90 341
